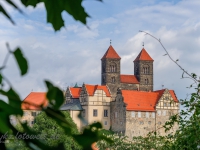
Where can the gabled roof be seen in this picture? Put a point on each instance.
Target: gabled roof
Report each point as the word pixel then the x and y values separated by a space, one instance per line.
pixel 170 91
pixel 92 88
pixel 75 91
pixel 111 53
pixel 128 79
pixel 36 99
pixel 143 55
pixel 140 100
pixel 144 101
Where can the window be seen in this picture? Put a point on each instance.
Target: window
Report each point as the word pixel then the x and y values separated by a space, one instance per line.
pixel 153 114
pixel 83 113
pixel 147 114
pixel 105 123
pixel 159 113
pixel 165 104
pixel 159 123
pixel 133 114
pixel 146 81
pixel 105 113
pixel 146 69
pixel 95 112
pixel 33 114
pixel 113 79
pixel 139 114
pixel 149 122
pixel 32 122
pixel 141 122
pixel 112 67
pixel 164 112
pixel 115 114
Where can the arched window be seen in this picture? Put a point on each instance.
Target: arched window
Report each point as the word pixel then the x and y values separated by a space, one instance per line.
pixel 112 67
pixel 113 79
pixel 146 69
pixel 146 81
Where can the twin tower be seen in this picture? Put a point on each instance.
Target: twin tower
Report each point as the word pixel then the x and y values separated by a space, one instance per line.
pixel 111 76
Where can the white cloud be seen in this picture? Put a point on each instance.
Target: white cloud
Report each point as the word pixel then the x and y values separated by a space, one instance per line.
pixel 73 54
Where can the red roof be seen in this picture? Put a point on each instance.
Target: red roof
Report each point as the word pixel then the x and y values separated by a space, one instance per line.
pixel 129 79
pixel 34 100
pixel 111 53
pixel 75 92
pixel 170 91
pixel 143 55
pixel 92 88
pixel 144 101
pixel 140 100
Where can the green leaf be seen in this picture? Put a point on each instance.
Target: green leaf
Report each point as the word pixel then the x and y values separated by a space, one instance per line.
pixel 9 109
pixel 1 78
pixel 14 100
pixel 15 6
pixel 4 122
pixel 6 14
pixel 55 8
pixel 30 2
pixel 21 61
pixel 54 95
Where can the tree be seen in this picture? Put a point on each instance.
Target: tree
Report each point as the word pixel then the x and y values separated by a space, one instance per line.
pixel 53 134
pixel 54 95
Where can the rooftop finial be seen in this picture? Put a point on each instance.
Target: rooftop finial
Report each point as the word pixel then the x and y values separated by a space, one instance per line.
pixel 110 41
pixel 143 44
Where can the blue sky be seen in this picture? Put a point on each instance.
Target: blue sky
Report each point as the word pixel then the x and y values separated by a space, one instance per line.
pixel 73 54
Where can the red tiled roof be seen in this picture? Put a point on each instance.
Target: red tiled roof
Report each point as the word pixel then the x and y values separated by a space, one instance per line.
pixel 111 53
pixel 140 100
pixel 143 55
pixel 173 95
pixel 170 91
pixel 92 88
pixel 129 79
pixel 33 100
pixel 144 101
pixel 75 92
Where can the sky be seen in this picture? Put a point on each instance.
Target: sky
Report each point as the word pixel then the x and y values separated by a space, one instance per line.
pixel 73 54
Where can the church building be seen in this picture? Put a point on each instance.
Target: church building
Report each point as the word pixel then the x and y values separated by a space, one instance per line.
pixel 126 104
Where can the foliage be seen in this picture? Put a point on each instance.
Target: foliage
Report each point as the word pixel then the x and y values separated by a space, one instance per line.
pixel 54 10
pixel 52 134
pixel 54 94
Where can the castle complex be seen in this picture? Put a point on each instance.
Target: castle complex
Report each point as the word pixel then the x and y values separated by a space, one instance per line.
pixel 125 104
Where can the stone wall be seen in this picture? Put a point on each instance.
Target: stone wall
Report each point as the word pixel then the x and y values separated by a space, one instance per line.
pixel 118 114
pixel 127 86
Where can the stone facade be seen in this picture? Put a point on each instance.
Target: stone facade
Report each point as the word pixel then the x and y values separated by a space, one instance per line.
pixel 145 77
pixel 110 73
pixel 140 122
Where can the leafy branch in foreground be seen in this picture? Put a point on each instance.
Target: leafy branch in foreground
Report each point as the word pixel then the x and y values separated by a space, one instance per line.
pixel 187 136
pixel 54 10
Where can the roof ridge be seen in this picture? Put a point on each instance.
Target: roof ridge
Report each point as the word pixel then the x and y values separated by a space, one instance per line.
pixel 111 53
pixel 143 55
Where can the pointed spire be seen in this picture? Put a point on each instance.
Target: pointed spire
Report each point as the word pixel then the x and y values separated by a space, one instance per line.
pixel 76 85
pixel 111 53
pixel 143 55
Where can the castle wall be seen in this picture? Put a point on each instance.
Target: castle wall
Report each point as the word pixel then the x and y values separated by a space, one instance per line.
pixel 128 86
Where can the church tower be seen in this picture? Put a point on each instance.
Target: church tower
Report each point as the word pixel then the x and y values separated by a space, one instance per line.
pixel 110 70
pixel 143 70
